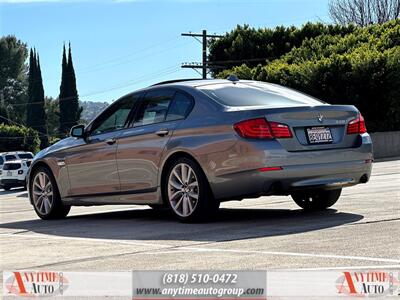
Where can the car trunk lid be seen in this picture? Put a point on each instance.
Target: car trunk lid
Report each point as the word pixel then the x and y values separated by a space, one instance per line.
pixel 307 123
pixel 317 127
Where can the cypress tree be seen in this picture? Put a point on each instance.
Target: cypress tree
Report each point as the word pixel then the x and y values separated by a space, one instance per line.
pixel 36 116
pixel 63 94
pixel 70 111
pixel 31 81
pixel 42 128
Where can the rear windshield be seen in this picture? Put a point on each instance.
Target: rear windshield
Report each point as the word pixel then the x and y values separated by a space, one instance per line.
pixel 11 166
pixel 25 156
pixel 256 94
pixel 10 157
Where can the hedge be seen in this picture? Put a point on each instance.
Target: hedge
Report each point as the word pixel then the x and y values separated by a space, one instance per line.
pixel 18 138
pixel 360 68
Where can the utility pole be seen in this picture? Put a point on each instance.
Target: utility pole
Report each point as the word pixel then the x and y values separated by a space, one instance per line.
pixel 204 65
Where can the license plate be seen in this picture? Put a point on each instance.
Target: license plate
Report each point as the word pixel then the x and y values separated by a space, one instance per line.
pixel 9 173
pixel 318 135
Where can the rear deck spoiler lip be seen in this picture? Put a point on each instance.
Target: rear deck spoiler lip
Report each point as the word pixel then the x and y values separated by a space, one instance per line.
pixel 322 107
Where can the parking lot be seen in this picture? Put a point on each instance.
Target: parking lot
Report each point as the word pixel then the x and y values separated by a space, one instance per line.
pixel 361 230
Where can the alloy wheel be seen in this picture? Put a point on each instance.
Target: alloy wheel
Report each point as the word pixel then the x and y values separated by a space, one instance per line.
pixel 183 190
pixel 42 192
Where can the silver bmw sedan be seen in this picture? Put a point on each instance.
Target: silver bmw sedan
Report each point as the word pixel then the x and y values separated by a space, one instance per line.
pixel 190 144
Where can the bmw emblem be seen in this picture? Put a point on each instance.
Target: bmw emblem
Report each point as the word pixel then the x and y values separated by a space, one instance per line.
pixel 320 118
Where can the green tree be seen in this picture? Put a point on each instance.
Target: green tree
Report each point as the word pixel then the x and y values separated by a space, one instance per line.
pixel 53 116
pixel 36 116
pixel 14 137
pixel 13 78
pixel 70 111
pixel 253 46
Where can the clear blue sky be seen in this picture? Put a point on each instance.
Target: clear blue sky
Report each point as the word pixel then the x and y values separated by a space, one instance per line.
pixel 122 45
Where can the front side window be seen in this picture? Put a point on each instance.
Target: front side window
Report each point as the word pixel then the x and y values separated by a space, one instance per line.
pixel 180 107
pixel 154 108
pixel 115 117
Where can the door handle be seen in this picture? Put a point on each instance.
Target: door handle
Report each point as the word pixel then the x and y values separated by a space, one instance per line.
pixel 111 141
pixel 162 132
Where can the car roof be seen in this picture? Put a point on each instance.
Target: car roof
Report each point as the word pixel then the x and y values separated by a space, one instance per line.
pixel 191 83
pixel 194 82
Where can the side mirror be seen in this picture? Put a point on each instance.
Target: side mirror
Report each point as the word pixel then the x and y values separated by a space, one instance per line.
pixel 78 131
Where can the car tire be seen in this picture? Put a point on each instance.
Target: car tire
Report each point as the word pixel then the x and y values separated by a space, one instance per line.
pixel 45 196
pixel 187 193
pixel 6 188
pixel 316 199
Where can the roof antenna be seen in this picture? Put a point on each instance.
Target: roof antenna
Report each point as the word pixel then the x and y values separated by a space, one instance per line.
pixel 233 78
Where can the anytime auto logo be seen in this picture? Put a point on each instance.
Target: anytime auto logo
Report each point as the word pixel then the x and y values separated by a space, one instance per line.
pixel 36 283
pixel 368 284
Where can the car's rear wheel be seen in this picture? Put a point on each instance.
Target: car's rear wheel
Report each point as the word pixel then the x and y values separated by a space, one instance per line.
pixel 187 191
pixel 316 199
pixel 46 197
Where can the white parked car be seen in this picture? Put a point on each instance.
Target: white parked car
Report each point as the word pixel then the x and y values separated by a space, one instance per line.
pixel 7 156
pixel 13 169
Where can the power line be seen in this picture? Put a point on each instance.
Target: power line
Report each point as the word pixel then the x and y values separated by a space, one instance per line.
pixel 163 72
pixel 166 41
pixel 134 59
pixel 102 66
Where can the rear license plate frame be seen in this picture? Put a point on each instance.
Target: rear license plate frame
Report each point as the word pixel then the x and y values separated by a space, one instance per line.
pixel 323 130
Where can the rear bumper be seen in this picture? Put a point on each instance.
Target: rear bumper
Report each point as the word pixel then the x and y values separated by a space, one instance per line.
pixel 327 169
pixel 12 182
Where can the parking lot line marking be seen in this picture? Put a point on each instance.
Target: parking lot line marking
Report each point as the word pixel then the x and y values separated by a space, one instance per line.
pixel 197 249
pixel 388 260
pixel 47 237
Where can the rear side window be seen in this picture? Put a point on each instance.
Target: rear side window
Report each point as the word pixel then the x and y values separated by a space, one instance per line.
pixel 10 157
pixel 25 156
pixel 180 107
pixel 154 108
pixel 257 94
pixel 11 166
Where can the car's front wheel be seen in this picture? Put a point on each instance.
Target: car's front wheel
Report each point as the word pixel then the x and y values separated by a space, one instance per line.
pixel 46 197
pixel 187 191
pixel 316 199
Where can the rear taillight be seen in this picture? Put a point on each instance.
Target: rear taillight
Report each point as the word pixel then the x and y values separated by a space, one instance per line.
pixel 357 126
pixel 280 131
pixel 262 129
